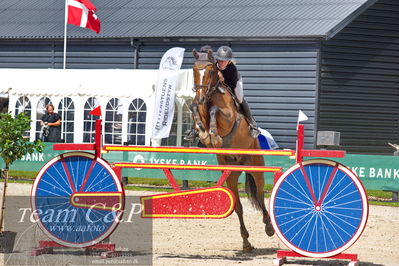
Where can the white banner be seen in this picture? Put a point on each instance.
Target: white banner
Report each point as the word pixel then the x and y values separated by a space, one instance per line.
pixel 164 106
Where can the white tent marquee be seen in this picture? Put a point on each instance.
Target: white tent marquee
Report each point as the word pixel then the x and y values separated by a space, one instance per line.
pixel 33 88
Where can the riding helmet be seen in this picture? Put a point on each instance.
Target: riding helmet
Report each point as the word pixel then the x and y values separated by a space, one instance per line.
pixel 224 53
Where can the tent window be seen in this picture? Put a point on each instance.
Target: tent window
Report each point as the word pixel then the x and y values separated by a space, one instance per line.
pixel 113 122
pixel 23 105
pixel 172 140
pixel 66 110
pixel 40 111
pixel 136 122
pixel 187 123
pixel 89 126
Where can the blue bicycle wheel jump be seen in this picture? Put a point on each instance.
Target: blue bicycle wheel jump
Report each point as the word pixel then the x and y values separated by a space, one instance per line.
pixel 77 199
pixel 318 208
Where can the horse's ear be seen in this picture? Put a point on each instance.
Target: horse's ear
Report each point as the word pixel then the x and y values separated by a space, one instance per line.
pixel 195 53
pixel 210 56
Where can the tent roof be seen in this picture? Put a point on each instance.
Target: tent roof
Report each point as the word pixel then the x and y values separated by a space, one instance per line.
pixel 86 82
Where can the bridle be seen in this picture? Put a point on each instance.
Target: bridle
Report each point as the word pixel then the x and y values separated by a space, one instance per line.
pixel 208 88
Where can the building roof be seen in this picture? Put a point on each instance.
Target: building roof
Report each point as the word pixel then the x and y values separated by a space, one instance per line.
pixel 264 19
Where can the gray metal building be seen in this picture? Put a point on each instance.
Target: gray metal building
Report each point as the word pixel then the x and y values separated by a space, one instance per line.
pixel 336 60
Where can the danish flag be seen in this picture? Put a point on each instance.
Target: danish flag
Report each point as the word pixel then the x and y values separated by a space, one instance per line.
pixel 81 13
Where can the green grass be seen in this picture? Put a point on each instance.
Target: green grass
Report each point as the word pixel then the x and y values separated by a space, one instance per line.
pixel 381 198
pixel 23 174
pixel 379 194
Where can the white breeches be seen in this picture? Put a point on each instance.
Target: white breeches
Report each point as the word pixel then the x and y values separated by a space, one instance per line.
pixel 239 91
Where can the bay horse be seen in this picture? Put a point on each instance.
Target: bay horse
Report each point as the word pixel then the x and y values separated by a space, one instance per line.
pixel 219 124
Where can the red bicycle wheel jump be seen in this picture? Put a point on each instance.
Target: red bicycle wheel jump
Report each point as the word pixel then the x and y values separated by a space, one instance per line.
pixel 77 199
pixel 318 208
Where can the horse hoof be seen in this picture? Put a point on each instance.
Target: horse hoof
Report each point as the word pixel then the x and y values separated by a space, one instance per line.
pixel 205 138
pixel 248 248
pixel 269 229
pixel 203 135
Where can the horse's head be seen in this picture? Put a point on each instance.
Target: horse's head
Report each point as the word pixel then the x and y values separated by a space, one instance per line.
pixel 205 74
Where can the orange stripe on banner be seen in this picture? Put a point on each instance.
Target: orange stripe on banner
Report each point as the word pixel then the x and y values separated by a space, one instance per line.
pixel 231 207
pixel 198 150
pixel 199 167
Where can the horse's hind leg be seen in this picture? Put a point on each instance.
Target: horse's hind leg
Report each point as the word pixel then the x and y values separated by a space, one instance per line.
pixel 260 201
pixel 232 184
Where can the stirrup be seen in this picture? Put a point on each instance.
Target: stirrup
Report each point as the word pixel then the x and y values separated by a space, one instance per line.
pixel 254 132
pixel 191 135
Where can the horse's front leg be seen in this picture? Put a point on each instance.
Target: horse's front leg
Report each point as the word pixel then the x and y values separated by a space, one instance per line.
pixel 202 133
pixel 216 140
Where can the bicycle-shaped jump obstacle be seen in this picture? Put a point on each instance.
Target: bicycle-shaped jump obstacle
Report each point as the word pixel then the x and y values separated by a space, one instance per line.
pixel 318 207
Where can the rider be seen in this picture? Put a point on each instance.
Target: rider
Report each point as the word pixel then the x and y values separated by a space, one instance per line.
pixel 228 74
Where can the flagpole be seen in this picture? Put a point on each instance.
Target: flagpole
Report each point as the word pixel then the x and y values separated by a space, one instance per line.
pixel 65 33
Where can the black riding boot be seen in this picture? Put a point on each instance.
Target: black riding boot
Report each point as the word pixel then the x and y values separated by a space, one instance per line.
pixel 254 131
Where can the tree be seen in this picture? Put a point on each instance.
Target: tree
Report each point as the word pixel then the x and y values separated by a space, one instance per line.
pixel 13 145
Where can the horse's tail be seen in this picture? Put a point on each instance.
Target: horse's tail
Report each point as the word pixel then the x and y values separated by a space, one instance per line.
pixel 250 188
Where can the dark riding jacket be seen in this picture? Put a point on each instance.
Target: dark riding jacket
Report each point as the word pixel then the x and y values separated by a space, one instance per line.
pixel 230 74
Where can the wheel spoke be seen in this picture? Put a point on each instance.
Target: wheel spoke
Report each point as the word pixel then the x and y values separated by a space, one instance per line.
pixel 335 225
pixel 302 188
pixel 336 185
pixel 293 212
pixel 62 177
pixel 52 185
pixel 95 179
pixel 50 192
pixel 296 198
pixel 345 203
pixel 311 235
pixel 300 218
pixel 303 235
pixel 303 194
pixel 329 235
pixel 346 216
pixel 342 191
pixel 72 171
pixel 343 220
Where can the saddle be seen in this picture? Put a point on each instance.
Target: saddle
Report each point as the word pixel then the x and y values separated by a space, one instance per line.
pixel 230 90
